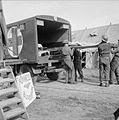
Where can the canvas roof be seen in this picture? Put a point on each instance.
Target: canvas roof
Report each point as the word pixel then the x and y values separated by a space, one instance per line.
pixel 92 36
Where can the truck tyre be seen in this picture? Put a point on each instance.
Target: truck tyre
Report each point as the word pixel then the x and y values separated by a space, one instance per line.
pixel 25 69
pixel 53 75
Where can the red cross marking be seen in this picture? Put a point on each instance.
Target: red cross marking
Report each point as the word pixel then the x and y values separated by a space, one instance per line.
pixel 15 41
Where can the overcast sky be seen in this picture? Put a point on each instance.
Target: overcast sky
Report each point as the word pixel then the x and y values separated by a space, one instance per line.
pixel 81 14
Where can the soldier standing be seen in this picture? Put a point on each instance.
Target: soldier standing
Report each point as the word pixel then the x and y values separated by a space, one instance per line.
pixel 114 65
pixel 104 49
pixel 77 64
pixel 68 62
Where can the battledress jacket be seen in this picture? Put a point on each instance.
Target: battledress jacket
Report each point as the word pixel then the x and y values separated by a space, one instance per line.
pixel 104 51
pixel 77 58
pixel 67 53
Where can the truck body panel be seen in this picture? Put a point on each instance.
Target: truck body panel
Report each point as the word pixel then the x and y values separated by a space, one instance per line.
pixel 49 31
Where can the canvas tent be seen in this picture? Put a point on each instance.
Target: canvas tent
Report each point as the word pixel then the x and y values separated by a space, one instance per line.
pixel 92 36
pixel 90 59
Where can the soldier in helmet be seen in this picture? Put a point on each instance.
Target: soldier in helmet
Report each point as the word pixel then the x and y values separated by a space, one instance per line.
pixel 104 49
pixel 68 62
pixel 114 65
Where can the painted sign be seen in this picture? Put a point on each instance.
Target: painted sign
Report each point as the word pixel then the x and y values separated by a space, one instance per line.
pixel 26 88
pixel 15 41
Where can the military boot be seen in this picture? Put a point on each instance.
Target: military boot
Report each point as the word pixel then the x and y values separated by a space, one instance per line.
pixel 117 82
pixel 101 84
pixel 106 84
pixel 110 82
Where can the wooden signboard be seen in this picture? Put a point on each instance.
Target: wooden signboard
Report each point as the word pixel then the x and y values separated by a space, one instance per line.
pixel 26 88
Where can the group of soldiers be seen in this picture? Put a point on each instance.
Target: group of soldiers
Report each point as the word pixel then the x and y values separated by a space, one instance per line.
pixel 107 66
pixel 72 63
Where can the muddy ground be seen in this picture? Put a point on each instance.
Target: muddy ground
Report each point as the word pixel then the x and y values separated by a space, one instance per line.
pixel 81 101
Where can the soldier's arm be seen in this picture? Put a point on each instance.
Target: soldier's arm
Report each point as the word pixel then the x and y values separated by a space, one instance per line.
pixel 113 45
pixel 71 53
pixel 99 51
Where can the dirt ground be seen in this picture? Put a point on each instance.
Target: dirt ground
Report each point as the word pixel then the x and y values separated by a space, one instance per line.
pixel 81 101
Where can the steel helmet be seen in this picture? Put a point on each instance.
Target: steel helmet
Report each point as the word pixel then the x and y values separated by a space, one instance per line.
pixel 104 38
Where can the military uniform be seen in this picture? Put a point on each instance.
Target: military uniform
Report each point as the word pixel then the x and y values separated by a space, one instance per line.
pixel 77 64
pixel 68 63
pixel 115 66
pixel 104 50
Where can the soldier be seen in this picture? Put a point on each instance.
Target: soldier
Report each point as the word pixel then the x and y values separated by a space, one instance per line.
pixel 68 62
pixel 77 64
pixel 114 65
pixel 104 50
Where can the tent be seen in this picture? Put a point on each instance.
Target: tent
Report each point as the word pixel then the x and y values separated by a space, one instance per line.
pixel 92 36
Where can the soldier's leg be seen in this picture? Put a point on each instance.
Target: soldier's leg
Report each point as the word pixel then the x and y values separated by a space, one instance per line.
pixel 66 77
pixel 69 75
pixel 106 74
pixel 111 76
pixel 72 76
pixel 117 74
pixel 75 73
pixel 75 68
pixel 66 73
pixel 101 69
pixel 81 74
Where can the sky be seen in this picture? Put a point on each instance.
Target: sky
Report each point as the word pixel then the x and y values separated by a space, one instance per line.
pixel 80 13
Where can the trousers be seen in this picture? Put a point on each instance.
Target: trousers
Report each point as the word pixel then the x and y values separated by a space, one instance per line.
pixel 114 73
pixel 104 70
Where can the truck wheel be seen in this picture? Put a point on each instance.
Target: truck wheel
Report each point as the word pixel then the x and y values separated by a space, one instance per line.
pixel 53 75
pixel 25 69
